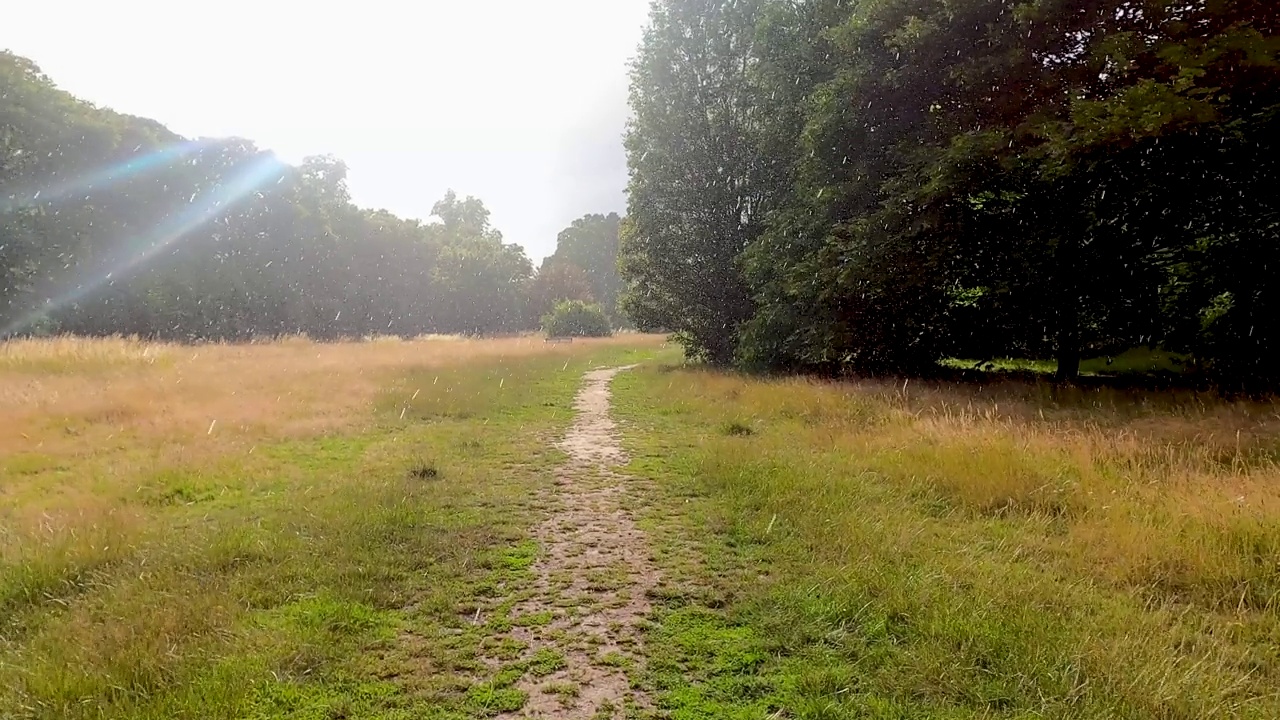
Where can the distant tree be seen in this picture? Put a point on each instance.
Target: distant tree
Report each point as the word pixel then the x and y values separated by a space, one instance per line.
pixel 19 249
pixel 591 245
pixel 463 217
pixel 481 282
pixel 113 224
pixel 574 318
pixel 558 280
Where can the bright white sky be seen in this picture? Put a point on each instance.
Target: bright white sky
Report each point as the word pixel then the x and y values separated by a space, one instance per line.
pixel 518 102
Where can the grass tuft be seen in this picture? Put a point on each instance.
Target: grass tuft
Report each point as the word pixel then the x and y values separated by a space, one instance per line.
pixel 424 470
pixel 736 428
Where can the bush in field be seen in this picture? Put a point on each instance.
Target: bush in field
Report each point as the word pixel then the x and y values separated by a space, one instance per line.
pixel 575 318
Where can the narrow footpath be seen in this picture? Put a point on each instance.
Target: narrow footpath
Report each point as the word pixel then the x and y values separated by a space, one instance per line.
pixel 592 576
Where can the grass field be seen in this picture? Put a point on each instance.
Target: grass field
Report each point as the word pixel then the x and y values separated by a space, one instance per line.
pixel 878 550
pixel 1134 362
pixel 317 531
pixel 266 531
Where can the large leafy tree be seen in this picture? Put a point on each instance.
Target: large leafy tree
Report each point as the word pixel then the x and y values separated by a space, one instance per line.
pixel 481 282
pixel 988 177
pixel 869 185
pixel 1125 133
pixel 695 196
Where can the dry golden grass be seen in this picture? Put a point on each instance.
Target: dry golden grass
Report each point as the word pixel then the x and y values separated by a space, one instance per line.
pixel 78 413
pixel 70 396
pixel 82 420
pixel 909 551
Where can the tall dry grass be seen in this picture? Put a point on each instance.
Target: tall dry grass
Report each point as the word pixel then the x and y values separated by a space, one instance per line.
pixel 1177 494
pixel 116 408
pixel 1075 553
pixel 61 396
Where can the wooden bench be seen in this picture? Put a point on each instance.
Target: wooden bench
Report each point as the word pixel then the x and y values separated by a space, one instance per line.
pixel 559 340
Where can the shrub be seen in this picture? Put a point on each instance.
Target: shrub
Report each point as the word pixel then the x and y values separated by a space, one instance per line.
pixel 575 318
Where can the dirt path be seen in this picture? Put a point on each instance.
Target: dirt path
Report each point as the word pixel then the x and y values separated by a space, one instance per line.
pixel 592 577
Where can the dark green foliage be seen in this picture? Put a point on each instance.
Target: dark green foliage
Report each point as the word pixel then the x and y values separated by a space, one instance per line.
pixel 584 267
pixel 112 224
pixel 590 245
pixel 694 198
pixel 574 318
pixel 558 280
pixel 889 182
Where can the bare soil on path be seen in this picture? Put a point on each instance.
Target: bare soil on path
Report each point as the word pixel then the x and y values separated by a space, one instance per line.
pixel 593 575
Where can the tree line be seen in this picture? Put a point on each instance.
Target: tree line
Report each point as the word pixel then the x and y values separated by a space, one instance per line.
pixel 112 224
pixel 842 186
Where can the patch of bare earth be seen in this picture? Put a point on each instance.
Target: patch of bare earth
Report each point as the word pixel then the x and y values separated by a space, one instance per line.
pixel 592 578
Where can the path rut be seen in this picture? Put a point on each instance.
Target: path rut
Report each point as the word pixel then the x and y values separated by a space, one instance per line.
pixel 593 576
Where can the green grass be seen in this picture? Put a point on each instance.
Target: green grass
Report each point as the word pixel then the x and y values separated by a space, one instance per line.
pixel 1135 361
pixel 546 661
pixel 873 552
pixel 827 551
pixel 311 578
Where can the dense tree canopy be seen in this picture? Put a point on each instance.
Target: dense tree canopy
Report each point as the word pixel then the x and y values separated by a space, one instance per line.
pixel 583 268
pixel 559 280
pixel 113 224
pixel 871 185
pixel 590 245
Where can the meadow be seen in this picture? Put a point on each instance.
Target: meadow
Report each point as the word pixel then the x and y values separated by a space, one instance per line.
pixel 882 549
pixel 259 530
pixel 338 530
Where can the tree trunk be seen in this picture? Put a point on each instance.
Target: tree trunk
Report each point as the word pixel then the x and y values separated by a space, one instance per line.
pixel 1069 340
pixel 1068 311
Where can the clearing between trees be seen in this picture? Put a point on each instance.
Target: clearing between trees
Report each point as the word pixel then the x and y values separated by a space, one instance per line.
pixel 448 528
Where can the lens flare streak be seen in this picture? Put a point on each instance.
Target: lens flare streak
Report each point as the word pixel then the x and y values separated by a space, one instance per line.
pixel 255 174
pixel 135 166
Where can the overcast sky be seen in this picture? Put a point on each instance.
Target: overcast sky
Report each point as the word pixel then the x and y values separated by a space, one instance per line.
pixel 518 102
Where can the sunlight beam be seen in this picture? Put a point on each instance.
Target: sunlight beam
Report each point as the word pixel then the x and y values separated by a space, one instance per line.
pixel 134 166
pixel 201 210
